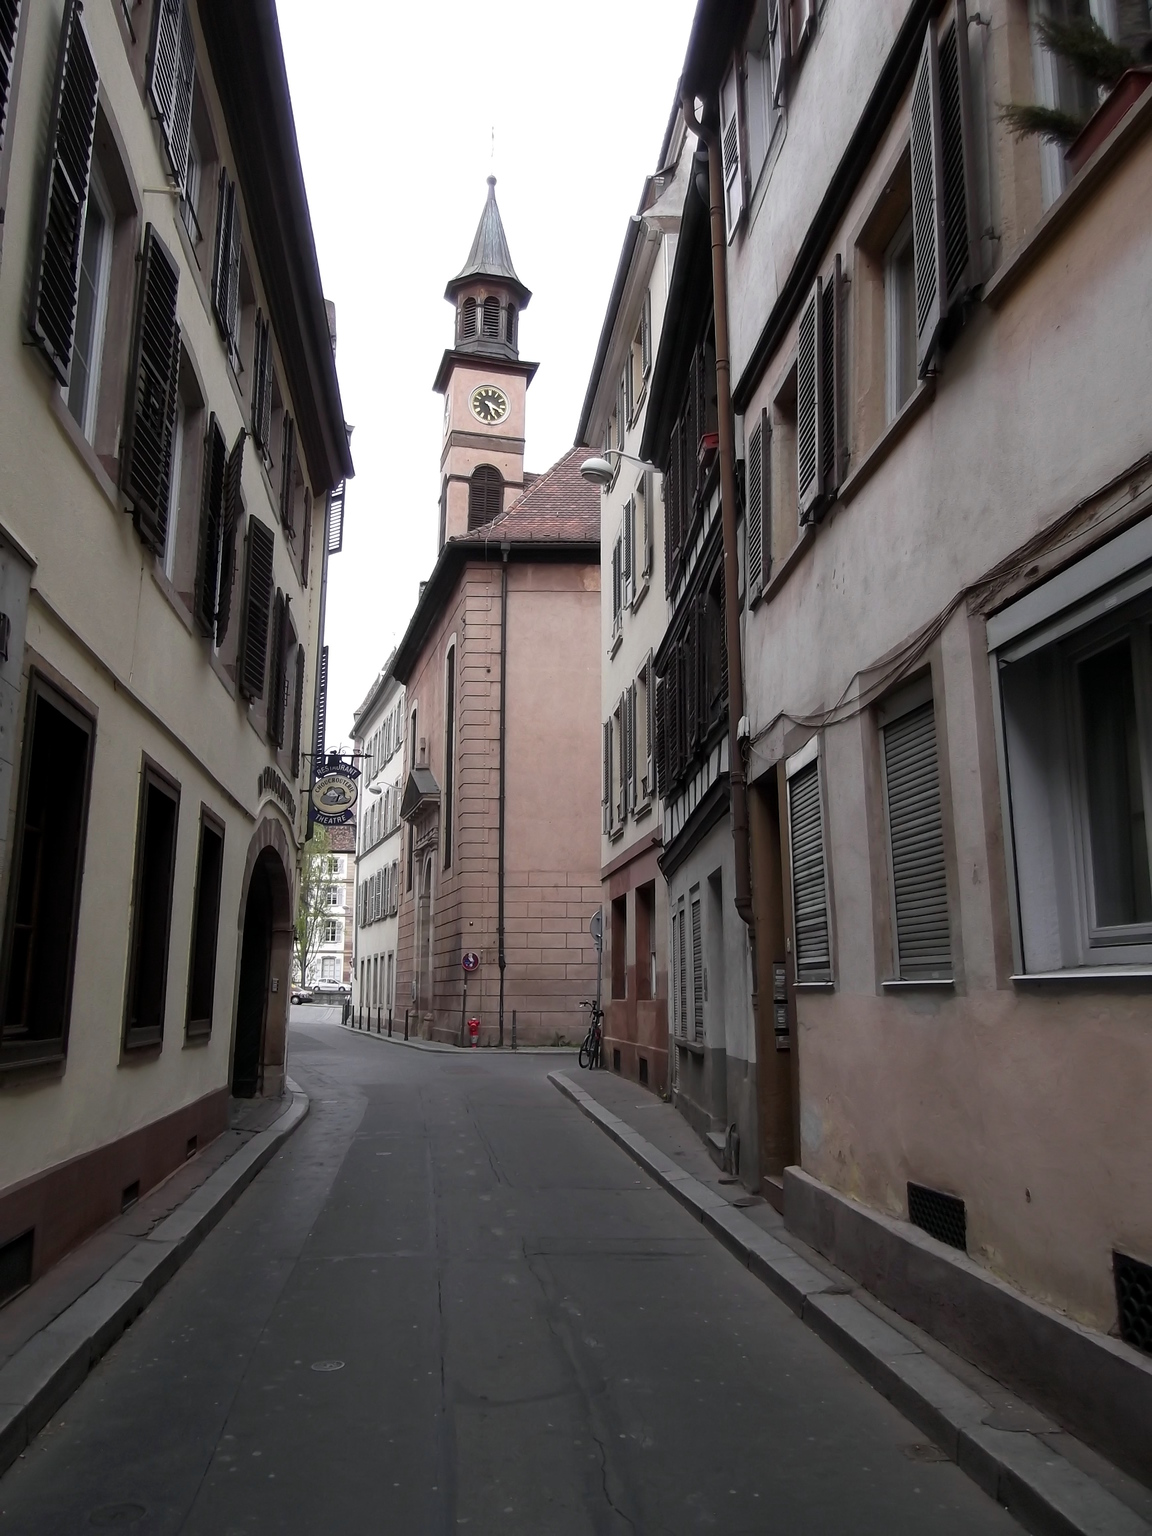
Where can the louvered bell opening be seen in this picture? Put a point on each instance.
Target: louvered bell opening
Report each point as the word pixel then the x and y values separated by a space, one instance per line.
pixel 916 832
pixel 485 496
pixel 806 395
pixel 510 325
pixel 955 189
pixel 491 318
pixel 923 200
pixel 809 887
pixel 467 319
pixel 1134 1300
pixel 942 1216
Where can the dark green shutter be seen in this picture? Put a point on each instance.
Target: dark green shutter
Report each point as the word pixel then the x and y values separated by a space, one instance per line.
pixel 233 507
pixel 252 659
pixel 155 375
pixel 70 134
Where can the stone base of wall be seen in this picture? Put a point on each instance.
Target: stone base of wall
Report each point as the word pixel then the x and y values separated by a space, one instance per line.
pixel 67 1203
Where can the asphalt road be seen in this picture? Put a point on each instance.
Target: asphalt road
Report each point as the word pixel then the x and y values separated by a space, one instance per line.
pixel 451 1303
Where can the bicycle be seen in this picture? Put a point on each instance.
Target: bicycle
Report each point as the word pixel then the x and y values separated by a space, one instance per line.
pixel 594 1039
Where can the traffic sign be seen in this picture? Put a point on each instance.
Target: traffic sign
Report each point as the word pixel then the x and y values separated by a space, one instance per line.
pixel 470 960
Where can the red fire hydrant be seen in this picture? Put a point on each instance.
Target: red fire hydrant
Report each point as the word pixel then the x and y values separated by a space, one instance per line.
pixel 473 1032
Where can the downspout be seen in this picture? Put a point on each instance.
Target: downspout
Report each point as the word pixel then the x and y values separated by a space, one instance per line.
pixel 503 743
pixel 738 787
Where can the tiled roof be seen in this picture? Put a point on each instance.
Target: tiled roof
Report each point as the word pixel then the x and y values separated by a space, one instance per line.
pixel 558 504
pixel 342 839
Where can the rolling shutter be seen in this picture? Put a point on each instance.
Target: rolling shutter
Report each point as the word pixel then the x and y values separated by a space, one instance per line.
pixel 233 507
pixel 151 430
pixel 961 244
pixel 697 973
pixel 320 728
pixel 916 841
pixel 927 209
pixel 298 710
pixel 336 518
pixel 730 150
pixel 71 129
pixel 252 659
pixel 211 528
pixel 754 510
pixel 809 885
pixel 9 26
pixel 809 405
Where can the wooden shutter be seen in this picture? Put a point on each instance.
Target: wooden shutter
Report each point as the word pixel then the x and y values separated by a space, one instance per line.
pixel 288 476
pixel 649 726
pixel 730 149
pixel 70 133
pixel 9 26
pixel 621 802
pixel 606 777
pixel 320 727
pixel 809 403
pixel 961 238
pixel 262 381
pixel 211 528
pixel 278 671
pixel 916 844
pixel 336 519
pixel 298 709
pixel 670 490
pixel 778 48
pixel 226 260
pixel 252 657
pixel 754 510
pixel 172 81
pixel 927 202
pixel 151 427
pixel 233 507
pixel 306 539
pixel 659 693
pixel 831 380
pixel 629 550
pixel 809 885
pixel 649 520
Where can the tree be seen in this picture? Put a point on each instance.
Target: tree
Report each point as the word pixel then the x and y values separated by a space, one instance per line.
pixel 317 872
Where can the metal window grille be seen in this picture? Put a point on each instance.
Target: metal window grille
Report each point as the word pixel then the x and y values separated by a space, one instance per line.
pixel 943 1217
pixel 1134 1300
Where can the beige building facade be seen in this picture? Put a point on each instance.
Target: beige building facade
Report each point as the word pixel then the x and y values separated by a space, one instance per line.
pixel 170 431
pixel 378 738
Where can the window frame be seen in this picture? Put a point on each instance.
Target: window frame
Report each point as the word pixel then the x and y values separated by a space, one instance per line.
pixel 198 1028
pixel 99 195
pixel 149 1036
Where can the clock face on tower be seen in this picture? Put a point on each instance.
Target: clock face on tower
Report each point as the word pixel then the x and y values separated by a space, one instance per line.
pixel 488 404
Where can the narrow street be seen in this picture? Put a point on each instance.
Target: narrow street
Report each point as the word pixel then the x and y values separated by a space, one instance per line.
pixel 450 1302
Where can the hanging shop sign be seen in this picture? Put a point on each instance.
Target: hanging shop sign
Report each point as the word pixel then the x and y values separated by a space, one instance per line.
pixel 334 794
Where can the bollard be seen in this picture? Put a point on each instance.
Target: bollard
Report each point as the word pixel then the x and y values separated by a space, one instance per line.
pixel 379 1020
pixel 513 1029
pixel 405 1023
pixel 389 1023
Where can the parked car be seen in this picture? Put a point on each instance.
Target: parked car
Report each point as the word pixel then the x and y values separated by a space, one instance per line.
pixel 332 989
pixel 301 994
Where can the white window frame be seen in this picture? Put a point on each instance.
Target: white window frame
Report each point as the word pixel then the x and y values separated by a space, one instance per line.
pixel 99 195
pixel 894 318
pixel 174 488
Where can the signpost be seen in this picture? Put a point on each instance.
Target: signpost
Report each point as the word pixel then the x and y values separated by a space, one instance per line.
pixel 596 929
pixel 469 962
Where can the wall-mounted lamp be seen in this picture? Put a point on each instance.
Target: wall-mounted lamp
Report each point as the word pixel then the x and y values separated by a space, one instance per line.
pixel 600 470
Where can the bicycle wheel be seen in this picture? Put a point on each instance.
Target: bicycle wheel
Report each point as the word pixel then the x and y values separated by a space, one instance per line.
pixel 585 1057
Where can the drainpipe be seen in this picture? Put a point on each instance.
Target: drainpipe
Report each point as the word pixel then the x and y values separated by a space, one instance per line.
pixel 504 548
pixel 738 786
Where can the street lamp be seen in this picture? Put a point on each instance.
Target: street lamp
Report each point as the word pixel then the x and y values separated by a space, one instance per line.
pixel 601 472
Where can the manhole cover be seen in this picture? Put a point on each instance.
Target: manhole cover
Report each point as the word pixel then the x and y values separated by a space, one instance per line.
pixel 328 1365
pixel 925 1453
pixel 117 1514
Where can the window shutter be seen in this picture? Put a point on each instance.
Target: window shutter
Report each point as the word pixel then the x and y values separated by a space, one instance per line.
pixel 659 695
pixel 754 512
pixel 173 81
pixel 262 381
pixel 298 710
pixel 633 750
pixel 606 787
pixel 288 476
pixel 697 972
pixel 673 499
pixel 147 473
pixel 336 519
pixel 927 211
pixel 961 240
pixel 646 334
pixel 70 133
pixel 730 149
pixel 809 405
pixel 916 842
pixel 306 540
pixel 320 726
pixel 649 517
pixel 809 887
pixel 278 698
pixel 649 726
pixel 778 48
pixel 232 326
pixel 252 659
pixel 211 528
pixel 629 550
pixel 226 261
pixel 622 749
pixel 9 26
pixel 831 380
pixel 233 507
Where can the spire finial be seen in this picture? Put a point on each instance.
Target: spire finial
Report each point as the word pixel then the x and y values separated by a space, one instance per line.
pixel 492 181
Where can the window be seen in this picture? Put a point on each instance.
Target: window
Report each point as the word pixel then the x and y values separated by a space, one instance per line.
pixel 220 511
pixel 151 909
pixel 899 319
pixel 1076 706
pixel 226 266
pixel 449 752
pixel 172 80
pixel 331 931
pixel 252 658
pixel 148 457
pixel 644 786
pixel 390 988
pixel 490 317
pixel 646 940
pixel 205 926
pixel 333 897
pixel 328 965
pixel 172 532
pixel 193 190
pixel 618 583
pixel 644 513
pixel 697 968
pixel 467 319
pixel 692 455
pixel 916 857
pixel 485 496
pixel 730 149
pixel 758 507
pixel 620 947
pixel 820 395
pixel 810 932
pixel 91 308
pixel 691 693
pixel 1058 85
pixel 47 866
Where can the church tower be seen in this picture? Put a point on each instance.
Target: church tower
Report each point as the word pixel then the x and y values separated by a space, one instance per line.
pixel 484 383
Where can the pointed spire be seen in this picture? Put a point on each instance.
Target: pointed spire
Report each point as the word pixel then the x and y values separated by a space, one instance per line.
pixel 490 256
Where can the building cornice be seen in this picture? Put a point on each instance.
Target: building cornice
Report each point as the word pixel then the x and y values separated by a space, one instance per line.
pixel 482 363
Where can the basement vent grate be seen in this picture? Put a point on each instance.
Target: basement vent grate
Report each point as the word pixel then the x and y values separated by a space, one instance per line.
pixel 941 1216
pixel 615 1061
pixel 644 1070
pixel 1134 1300
pixel 130 1195
pixel 16 1265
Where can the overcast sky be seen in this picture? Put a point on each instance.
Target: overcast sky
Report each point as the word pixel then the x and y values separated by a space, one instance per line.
pixel 396 106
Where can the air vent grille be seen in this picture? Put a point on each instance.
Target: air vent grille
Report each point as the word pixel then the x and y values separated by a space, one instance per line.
pixel 16 1265
pixel 941 1216
pixel 1134 1300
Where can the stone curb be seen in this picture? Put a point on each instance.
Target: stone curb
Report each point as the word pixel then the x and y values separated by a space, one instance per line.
pixel 41 1376
pixel 455 1050
pixel 1038 1487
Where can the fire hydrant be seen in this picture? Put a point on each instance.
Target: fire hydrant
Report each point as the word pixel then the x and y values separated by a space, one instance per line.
pixel 473 1032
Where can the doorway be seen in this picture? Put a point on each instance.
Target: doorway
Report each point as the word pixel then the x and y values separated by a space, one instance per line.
pixel 262 993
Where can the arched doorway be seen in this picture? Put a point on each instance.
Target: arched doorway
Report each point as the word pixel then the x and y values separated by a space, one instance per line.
pixel 263 985
pixel 424 941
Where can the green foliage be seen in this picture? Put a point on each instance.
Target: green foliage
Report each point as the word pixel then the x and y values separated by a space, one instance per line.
pixel 1025 122
pixel 316 876
pixel 1085 45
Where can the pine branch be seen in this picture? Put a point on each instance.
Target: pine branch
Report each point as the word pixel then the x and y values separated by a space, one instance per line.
pixel 1024 122
pixel 1087 47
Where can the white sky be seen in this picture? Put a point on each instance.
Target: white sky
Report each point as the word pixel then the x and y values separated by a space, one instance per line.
pixel 395 105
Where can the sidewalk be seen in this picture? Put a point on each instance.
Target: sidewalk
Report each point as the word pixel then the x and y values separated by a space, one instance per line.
pixel 1047 1479
pixel 54 1332
pixel 456 1050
